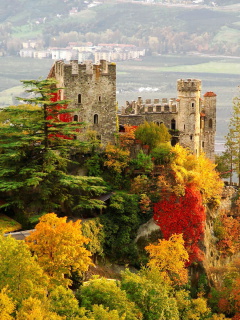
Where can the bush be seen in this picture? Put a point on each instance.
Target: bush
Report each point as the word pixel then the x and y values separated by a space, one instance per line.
pixel 162 154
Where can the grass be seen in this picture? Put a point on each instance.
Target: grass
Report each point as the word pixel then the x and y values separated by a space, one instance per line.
pixel 227 34
pixel 8 225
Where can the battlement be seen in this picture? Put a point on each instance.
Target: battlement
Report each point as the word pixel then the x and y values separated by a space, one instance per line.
pixel 87 67
pixel 150 105
pixel 189 85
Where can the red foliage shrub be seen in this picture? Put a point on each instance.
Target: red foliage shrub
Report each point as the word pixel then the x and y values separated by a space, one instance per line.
pixel 186 215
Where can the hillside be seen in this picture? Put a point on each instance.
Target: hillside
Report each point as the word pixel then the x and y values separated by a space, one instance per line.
pixel 159 27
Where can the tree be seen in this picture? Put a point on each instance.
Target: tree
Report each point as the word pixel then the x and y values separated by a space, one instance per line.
pixel 152 135
pixel 62 301
pixel 59 247
pixel 35 309
pixel 116 158
pixel 183 215
pixel 188 169
pixel 150 292
pixel 7 306
pixel 19 271
pixel 191 309
pixel 233 137
pixel 170 257
pixel 100 291
pixel 37 142
pixel 120 226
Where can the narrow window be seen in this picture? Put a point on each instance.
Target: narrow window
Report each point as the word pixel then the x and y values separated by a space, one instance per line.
pixel 191 137
pixel 193 104
pixel 184 127
pixel 99 98
pixel 173 124
pixel 166 108
pixel 79 98
pixel 75 118
pixel 95 119
pixel 203 144
pixel 210 123
pixel 150 109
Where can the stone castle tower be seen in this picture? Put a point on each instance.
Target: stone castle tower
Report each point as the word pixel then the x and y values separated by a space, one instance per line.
pixel 190 118
pixel 91 89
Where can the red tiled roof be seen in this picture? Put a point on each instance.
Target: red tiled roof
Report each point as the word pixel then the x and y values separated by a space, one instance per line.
pixel 210 94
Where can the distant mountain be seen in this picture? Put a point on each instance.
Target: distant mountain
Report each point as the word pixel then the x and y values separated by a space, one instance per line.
pixel 210 27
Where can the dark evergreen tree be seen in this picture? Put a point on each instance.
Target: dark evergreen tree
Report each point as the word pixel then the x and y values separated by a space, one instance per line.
pixel 38 141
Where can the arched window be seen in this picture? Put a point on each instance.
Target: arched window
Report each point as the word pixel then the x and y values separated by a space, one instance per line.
pixel 79 98
pixel 191 137
pixel 193 104
pixel 173 124
pixel 210 123
pixel 75 118
pixel 95 119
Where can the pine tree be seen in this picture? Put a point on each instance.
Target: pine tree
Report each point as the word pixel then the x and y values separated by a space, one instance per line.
pixel 38 141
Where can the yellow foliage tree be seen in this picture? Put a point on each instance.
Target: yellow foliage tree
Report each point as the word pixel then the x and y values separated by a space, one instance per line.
pixel 59 247
pixel 192 309
pixel 208 180
pixel 7 306
pixel 35 309
pixel 170 257
pixel 117 158
pixel 199 171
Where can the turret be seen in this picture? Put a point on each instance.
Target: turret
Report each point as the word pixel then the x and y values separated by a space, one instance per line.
pixel 189 93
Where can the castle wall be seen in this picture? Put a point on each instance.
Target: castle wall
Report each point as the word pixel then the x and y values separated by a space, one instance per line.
pixel 91 90
pixel 192 117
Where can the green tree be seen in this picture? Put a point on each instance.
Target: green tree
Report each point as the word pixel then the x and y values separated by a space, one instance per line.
pixel 233 138
pixel 37 142
pixel 152 135
pixel 100 291
pixel 19 271
pixel 151 294
pixel 120 225
pixel 63 302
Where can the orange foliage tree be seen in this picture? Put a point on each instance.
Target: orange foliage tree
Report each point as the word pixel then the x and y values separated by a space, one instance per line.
pixel 59 247
pixel 170 257
pixel 116 158
pixel 227 230
pixel 127 138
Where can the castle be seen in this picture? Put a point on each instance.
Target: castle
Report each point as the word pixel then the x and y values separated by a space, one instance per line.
pixel 91 88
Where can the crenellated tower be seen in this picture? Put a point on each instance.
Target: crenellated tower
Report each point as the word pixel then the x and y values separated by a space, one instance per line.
pixel 189 109
pixel 91 89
